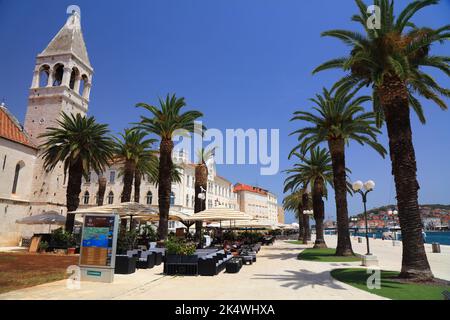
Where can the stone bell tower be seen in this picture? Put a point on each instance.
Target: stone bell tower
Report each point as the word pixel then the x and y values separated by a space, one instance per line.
pixel 62 81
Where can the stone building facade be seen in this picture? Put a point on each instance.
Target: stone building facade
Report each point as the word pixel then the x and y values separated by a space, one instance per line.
pixel 61 82
pixel 258 202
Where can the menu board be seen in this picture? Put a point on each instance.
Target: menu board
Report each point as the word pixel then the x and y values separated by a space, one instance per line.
pixel 98 240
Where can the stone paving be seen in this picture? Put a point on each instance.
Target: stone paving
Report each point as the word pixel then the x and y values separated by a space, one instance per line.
pixel 277 274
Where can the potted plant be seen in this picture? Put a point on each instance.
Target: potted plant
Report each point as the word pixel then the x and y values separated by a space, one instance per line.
pixel 43 246
pixel 180 253
pixel 127 240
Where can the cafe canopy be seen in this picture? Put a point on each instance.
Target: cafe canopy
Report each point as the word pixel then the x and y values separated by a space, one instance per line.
pixel 125 209
pixel 218 214
pixel 132 210
pixel 253 224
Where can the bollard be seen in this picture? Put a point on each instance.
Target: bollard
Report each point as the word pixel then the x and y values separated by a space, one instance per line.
pixel 436 247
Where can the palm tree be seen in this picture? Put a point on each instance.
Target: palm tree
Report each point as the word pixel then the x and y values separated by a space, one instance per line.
pixel 132 149
pixel 339 119
pixel 201 184
pixel 314 172
pixel 152 172
pixel 293 202
pixel 390 59
pixel 165 121
pixel 82 145
pixel 298 201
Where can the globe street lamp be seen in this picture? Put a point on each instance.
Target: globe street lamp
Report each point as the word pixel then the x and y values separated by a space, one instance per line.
pixel 393 214
pixel 354 220
pixel 363 189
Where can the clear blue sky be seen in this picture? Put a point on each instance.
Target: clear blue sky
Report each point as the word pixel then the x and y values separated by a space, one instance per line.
pixel 244 63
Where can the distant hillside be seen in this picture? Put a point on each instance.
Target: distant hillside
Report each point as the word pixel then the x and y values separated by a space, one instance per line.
pixel 445 207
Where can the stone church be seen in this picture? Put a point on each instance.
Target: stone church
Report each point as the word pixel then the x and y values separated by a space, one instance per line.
pixel 61 82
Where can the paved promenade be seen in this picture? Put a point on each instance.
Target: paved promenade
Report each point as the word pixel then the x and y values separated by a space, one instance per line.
pixel 276 275
pixel 390 257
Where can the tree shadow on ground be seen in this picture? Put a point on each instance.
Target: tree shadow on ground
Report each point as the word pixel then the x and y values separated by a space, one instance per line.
pixel 302 278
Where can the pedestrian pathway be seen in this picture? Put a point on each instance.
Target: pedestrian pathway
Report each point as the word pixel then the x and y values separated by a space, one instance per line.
pixel 390 257
pixel 277 274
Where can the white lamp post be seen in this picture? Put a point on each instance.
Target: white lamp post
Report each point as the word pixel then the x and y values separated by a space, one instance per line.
pixel 354 220
pixel 363 189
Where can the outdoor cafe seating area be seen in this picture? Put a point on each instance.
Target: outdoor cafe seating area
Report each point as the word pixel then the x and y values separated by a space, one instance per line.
pixel 230 257
pixel 230 240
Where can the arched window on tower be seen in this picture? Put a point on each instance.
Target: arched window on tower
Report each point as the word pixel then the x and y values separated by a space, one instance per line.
pixel 83 82
pixel 73 78
pixel 110 197
pixel 172 198
pixel 44 73
pixel 16 176
pixel 149 197
pixel 58 75
pixel 86 198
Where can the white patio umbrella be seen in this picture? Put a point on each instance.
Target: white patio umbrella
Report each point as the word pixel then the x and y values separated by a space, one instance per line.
pixel 49 217
pixel 255 224
pixel 218 214
pixel 124 209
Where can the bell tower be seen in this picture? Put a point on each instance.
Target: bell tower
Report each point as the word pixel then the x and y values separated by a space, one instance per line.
pixel 62 79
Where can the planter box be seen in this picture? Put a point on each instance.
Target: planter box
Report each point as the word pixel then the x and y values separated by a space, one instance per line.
pixel 181 265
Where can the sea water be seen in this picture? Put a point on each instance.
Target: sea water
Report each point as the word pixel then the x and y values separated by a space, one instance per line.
pixel 442 237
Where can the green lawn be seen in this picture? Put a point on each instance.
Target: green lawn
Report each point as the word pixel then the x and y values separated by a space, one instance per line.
pixel 390 288
pixel 324 255
pixel 294 241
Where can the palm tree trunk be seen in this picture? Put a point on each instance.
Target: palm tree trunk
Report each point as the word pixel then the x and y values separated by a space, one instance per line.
pixel 394 100
pixel 337 152
pixel 73 193
pixel 301 230
pixel 165 186
pixel 201 181
pixel 137 186
pixel 101 190
pixel 319 212
pixel 306 228
pixel 128 180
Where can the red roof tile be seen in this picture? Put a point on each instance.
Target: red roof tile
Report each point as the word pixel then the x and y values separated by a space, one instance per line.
pixel 246 187
pixel 10 129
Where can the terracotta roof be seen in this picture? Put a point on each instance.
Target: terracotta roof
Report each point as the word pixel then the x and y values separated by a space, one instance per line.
pixel 11 129
pixel 246 187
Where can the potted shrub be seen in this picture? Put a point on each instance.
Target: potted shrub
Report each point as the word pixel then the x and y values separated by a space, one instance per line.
pixel 43 246
pixel 179 252
pixel 127 240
